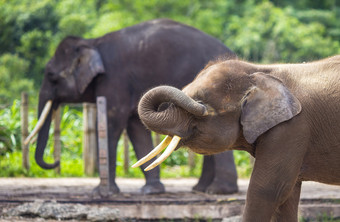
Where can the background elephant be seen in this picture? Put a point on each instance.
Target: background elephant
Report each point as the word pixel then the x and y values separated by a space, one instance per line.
pixel 121 66
pixel 286 116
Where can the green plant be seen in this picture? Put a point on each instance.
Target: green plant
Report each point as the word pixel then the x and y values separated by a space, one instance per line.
pixel 244 165
pixel 10 134
pixel 10 144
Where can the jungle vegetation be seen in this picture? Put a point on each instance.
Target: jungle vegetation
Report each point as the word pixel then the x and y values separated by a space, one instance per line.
pixel 263 31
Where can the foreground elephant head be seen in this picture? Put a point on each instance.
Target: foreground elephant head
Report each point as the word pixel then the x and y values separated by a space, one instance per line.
pixel 228 105
pixel 286 116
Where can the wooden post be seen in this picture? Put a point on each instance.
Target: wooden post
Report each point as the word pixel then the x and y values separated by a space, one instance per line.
pixel 103 146
pixel 89 138
pixel 24 130
pixel 126 153
pixel 57 141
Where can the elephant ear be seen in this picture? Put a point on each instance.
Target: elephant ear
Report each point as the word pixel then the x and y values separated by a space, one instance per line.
pixel 90 65
pixel 266 104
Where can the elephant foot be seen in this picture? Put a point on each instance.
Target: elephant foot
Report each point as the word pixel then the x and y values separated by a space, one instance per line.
pixel 219 187
pixel 105 191
pixel 153 188
pixel 199 188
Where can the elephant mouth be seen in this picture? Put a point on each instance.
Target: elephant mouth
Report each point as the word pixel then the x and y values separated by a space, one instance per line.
pixel 168 110
pixel 170 144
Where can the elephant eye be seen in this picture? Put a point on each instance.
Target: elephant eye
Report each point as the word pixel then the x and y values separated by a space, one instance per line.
pixel 78 62
pixel 53 77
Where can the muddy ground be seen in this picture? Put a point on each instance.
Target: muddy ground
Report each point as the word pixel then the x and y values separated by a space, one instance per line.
pixel 72 199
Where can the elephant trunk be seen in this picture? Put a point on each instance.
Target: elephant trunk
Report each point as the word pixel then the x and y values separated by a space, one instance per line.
pixel 159 109
pixel 43 137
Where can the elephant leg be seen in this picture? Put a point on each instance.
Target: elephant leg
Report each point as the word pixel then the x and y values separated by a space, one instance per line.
pixel 207 174
pixel 142 144
pixel 113 137
pixel 218 175
pixel 272 193
pixel 225 176
pixel 274 202
pixel 272 189
pixel 274 185
pixel 288 211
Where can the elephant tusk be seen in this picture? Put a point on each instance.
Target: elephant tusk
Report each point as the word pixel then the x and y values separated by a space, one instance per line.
pixel 174 142
pixel 154 152
pixel 40 122
pixel 34 140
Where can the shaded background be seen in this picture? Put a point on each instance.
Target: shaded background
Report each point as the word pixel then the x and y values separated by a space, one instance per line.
pixel 257 30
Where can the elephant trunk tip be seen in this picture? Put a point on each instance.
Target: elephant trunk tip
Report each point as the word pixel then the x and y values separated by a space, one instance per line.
pixel 48 166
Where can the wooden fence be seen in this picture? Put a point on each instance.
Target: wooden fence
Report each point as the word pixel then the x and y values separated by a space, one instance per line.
pixel 89 138
pixel 90 150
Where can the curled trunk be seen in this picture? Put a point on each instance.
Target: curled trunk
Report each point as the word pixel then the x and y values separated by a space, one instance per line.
pixel 163 108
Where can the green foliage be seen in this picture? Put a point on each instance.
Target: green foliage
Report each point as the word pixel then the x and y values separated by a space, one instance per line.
pixel 262 31
pixel 244 165
pixel 11 83
pixel 10 166
pixel 108 22
pixel 71 133
pixel 303 4
pixel 269 34
pixel 10 144
pixel 73 25
pixel 10 134
pixel 258 30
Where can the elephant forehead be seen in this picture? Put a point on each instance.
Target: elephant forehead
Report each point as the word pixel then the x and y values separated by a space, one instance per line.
pixel 216 86
pixel 209 80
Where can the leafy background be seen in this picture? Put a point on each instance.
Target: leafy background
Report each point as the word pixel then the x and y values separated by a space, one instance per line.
pixel 260 31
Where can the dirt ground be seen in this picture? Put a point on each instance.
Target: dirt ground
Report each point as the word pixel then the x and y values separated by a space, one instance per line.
pixel 28 199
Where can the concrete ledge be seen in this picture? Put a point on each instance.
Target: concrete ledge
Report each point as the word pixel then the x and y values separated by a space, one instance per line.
pixel 74 197
pixel 53 210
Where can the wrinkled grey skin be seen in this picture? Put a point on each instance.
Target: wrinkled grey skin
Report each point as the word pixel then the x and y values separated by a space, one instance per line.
pixel 287 116
pixel 121 66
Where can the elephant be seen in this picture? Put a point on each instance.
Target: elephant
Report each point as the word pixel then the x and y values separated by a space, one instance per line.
pixel 287 116
pixel 121 66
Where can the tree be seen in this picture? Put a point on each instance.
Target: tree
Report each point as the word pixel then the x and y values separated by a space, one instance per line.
pixel 266 33
pixel 11 82
pixel 258 30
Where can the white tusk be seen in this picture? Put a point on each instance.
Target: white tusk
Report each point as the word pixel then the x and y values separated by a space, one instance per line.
pixel 174 142
pixel 40 122
pixel 154 152
pixel 34 140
